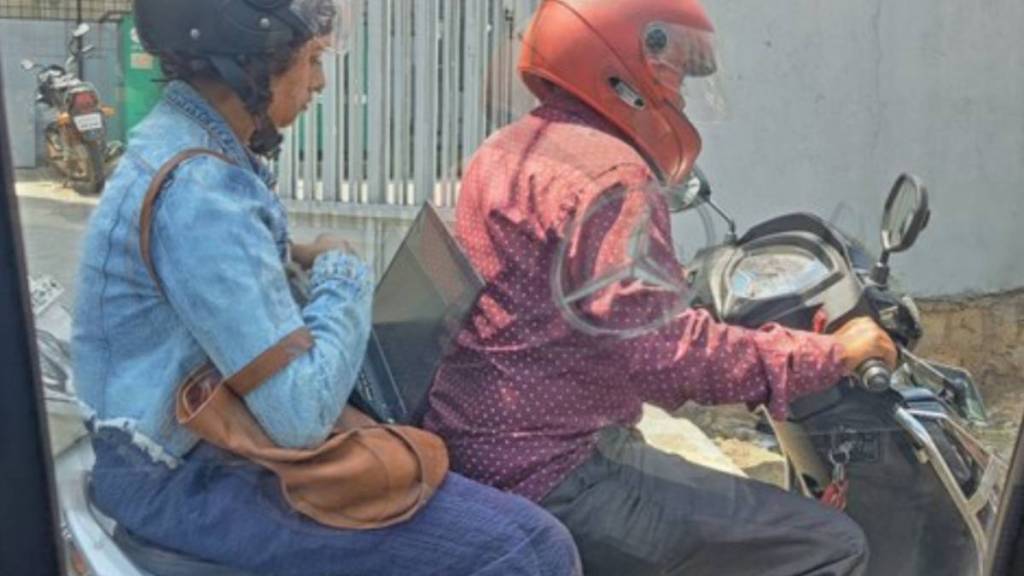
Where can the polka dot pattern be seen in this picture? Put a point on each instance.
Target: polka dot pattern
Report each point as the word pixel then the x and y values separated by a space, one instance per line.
pixel 523 394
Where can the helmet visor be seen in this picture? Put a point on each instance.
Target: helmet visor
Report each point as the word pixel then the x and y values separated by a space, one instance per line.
pixel 686 67
pixel 329 21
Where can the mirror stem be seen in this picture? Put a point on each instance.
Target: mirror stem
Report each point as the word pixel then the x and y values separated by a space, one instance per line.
pixel 730 237
pixel 880 273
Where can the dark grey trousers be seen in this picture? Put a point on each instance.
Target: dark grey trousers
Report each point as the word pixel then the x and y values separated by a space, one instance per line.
pixel 636 511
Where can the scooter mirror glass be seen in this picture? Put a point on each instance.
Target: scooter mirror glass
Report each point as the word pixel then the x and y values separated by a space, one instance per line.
pixel 27 65
pixel 689 194
pixel 906 214
pixel 82 30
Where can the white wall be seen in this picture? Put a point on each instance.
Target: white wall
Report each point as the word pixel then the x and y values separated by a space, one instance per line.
pixel 831 99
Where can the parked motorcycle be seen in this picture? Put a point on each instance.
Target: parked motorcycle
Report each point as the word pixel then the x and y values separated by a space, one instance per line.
pixel 892 448
pixel 76 137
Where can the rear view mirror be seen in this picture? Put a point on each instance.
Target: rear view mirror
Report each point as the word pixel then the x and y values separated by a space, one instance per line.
pixel 27 65
pixel 692 193
pixel 81 30
pixel 906 214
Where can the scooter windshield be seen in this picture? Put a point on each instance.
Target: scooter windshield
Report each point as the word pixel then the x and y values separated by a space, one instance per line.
pixel 616 271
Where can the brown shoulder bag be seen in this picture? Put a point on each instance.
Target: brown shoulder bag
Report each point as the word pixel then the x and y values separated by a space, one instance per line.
pixel 365 475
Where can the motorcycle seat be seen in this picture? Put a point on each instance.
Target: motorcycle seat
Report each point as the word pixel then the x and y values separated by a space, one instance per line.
pixel 104 546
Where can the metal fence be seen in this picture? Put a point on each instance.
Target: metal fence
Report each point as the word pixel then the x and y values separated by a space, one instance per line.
pixel 86 10
pixel 421 86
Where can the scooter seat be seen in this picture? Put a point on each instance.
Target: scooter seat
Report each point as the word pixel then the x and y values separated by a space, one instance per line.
pixel 105 547
pixel 162 562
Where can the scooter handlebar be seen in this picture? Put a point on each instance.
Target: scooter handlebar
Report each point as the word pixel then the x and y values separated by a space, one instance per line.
pixel 874 375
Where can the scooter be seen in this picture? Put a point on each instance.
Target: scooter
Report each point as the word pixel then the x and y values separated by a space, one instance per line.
pixel 76 136
pixel 891 448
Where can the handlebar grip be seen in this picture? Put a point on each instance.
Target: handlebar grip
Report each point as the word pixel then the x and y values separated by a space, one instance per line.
pixel 874 375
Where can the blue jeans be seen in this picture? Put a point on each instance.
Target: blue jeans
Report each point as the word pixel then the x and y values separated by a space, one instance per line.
pixel 225 510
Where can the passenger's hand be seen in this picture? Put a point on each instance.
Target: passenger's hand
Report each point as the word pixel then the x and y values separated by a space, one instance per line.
pixel 305 254
pixel 862 340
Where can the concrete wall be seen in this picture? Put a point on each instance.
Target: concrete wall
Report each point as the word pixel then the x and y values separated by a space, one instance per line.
pixel 45 42
pixel 830 100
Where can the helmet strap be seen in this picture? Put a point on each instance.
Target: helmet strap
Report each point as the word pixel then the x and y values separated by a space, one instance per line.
pixel 266 141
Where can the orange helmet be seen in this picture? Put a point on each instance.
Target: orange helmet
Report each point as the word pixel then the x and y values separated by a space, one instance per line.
pixel 627 60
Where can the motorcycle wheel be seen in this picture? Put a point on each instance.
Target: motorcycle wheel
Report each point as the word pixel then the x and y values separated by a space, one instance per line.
pixel 90 158
pixel 55 152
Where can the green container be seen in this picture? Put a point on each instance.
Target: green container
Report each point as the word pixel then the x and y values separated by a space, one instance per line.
pixel 142 88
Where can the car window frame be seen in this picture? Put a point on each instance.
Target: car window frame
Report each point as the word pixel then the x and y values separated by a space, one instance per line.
pixel 30 539
pixel 29 536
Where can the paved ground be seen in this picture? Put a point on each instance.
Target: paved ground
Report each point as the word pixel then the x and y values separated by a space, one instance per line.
pixel 53 221
pixel 52 228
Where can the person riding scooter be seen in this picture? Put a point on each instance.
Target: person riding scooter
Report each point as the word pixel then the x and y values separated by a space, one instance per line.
pixel 215 290
pixel 530 402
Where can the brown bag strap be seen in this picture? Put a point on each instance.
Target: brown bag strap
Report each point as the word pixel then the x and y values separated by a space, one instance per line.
pixel 425 490
pixel 272 361
pixel 275 358
pixel 155 188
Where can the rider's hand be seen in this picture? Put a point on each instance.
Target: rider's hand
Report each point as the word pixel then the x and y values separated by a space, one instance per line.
pixel 305 254
pixel 862 340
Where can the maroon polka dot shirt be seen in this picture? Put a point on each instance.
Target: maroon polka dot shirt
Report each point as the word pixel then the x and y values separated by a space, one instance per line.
pixel 521 398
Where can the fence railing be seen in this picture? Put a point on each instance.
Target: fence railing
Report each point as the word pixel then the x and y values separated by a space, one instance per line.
pixel 86 10
pixel 422 84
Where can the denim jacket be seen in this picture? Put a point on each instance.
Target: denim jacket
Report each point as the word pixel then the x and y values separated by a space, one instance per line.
pixel 219 243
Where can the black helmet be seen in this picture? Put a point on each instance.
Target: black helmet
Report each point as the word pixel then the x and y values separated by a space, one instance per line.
pixel 235 38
